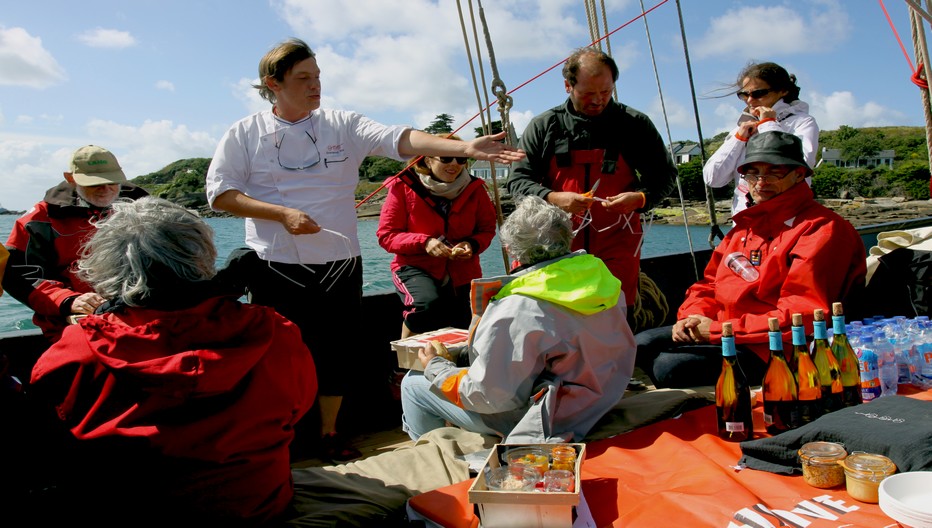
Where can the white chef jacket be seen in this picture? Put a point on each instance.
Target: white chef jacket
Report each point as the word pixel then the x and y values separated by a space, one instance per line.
pixel 250 158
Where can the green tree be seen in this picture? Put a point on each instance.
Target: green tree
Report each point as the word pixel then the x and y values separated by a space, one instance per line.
pixel 442 124
pixel 377 168
pixel 495 125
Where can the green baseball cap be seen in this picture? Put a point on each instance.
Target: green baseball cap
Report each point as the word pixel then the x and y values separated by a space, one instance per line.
pixel 93 165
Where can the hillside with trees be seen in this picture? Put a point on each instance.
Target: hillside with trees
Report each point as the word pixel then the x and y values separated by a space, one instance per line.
pixel 909 177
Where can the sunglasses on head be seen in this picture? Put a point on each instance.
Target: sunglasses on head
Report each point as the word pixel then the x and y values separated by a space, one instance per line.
pixel 449 159
pixel 756 94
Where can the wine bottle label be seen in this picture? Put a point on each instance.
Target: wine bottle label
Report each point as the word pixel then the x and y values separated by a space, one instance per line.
pixel 734 427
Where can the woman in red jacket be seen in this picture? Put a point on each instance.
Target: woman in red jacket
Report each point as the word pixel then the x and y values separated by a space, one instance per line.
pixel 437 219
pixel 178 401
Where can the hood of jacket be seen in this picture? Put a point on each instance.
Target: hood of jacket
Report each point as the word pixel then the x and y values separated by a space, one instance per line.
pixel 66 202
pixel 201 351
pixel 578 282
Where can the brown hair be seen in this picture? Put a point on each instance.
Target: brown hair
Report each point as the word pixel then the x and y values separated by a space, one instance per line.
pixel 585 57
pixel 774 75
pixel 278 62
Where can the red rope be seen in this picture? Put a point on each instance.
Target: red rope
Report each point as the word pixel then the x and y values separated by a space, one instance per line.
pixel 918 77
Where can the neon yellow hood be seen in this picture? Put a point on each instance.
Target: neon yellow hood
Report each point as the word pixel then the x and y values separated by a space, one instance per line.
pixel 580 283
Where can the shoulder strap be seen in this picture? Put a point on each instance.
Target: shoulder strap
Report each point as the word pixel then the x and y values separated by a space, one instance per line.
pixel 441 205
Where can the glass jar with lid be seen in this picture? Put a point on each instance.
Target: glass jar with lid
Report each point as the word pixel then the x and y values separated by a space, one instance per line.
pixel 863 473
pixel 820 464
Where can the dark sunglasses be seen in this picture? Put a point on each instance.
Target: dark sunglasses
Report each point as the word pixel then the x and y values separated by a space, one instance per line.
pixel 449 159
pixel 756 94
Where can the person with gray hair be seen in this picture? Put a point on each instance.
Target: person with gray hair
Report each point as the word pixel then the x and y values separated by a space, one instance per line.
pixel 200 391
pixel 550 351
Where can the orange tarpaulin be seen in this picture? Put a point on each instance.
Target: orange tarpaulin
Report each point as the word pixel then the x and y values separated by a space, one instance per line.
pixel 679 473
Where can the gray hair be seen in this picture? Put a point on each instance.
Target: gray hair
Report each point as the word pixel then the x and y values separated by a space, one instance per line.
pixel 536 231
pixel 144 244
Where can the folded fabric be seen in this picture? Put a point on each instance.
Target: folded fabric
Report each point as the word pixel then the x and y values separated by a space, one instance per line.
pixel 897 427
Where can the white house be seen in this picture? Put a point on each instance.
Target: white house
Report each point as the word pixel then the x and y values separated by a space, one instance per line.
pixel 884 158
pixel 482 169
pixel 684 151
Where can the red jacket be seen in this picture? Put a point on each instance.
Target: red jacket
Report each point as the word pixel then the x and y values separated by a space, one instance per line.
pixel 810 257
pixel 407 222
pixel 213 392
pixel 44 245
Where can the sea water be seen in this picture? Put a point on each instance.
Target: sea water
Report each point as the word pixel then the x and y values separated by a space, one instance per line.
pixel 229 235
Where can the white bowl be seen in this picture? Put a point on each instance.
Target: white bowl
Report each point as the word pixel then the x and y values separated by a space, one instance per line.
pixel 907 498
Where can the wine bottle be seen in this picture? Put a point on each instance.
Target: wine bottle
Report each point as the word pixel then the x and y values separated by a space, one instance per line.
pixel 779 386
pixel 732 394
pixel 847 359
pixel 825 362
pixel 808 386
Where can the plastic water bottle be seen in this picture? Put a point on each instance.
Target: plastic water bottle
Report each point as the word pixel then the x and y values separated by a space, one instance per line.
pixel 870 374
pixel 902 342
pixel 886 364
pixel 924 354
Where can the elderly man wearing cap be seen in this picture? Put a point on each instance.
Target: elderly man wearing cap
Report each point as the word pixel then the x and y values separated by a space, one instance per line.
pixel 46 242
pixel 798 255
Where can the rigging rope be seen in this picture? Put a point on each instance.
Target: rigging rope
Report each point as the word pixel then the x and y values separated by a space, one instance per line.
pixel 917 75
pixel 922 57
pixel 666 122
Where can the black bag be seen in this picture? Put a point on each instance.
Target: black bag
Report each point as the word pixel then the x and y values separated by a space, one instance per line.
pixel 901 285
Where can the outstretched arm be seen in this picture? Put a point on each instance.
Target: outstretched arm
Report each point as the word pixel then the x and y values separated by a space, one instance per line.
pixel 488 148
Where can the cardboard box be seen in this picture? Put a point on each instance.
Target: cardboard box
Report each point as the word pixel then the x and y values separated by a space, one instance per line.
pixel 513 509
pixel 453 338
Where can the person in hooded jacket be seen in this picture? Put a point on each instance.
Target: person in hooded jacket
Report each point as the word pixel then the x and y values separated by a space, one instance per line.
pixel 772 104
pixel 437 220
pixel 551 352
pixel 46 241
pixel 180 401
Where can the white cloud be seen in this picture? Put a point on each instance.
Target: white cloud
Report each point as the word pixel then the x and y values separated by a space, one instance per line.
pixel 168 86
pixel 766 31
pixel 24 62
pixel 30 165
pixel 107 38
pixel 842 108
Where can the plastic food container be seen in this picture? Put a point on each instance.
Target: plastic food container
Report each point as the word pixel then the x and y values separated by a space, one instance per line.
pixel 512 478
pixel 820 464
pixel 863 474
pixel 534 457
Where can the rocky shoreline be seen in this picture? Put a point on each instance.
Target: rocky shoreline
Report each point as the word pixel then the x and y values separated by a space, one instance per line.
pixel 858 211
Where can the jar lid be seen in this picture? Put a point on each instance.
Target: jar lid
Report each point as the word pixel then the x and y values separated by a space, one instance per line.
pixel 870 464
pixel 822 453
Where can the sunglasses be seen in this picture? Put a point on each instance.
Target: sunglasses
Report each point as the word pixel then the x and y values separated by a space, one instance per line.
pixel 756 94
pixel 449 159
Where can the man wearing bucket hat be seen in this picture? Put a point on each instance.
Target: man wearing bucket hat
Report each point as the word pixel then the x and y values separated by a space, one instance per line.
pixel 46 242
pixel 795 255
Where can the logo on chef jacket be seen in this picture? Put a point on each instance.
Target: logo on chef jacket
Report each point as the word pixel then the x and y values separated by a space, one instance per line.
pixel 335 150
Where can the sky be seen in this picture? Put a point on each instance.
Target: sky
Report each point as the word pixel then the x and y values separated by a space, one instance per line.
pixel 156 81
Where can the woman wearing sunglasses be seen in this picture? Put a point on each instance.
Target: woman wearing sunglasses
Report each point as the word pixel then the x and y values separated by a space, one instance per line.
pixel 437 219
pixel 772 103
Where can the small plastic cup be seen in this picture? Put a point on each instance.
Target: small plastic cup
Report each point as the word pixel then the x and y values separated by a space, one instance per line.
pixel 559 481
pixel 742 267
pixel 512 478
